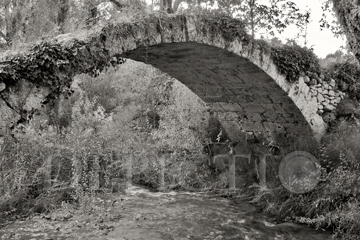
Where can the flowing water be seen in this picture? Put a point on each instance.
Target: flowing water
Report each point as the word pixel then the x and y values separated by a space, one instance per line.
pixel 140 214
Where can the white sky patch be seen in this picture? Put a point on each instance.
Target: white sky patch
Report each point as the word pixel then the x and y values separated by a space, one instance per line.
pixel 323 42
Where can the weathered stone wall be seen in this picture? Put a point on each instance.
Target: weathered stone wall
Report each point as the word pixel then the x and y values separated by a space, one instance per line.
pixel 312 96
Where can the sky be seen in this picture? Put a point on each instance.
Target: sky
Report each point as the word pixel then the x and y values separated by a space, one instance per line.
pixel 323 42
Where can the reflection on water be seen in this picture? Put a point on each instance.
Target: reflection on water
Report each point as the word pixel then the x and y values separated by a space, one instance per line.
pixel 138 213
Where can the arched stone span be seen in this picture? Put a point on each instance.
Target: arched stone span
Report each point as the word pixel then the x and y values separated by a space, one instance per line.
pixel 242 96
pixel 225 33
pixel 95 48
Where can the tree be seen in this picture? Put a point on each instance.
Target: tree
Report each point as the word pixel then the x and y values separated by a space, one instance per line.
pixel 64 7
pixel 171 6
pixel 276 42
pixel 347 13
pixel 11 18
pixel 329 13
pixel 27 20
pixel 276 15
pixel 166 5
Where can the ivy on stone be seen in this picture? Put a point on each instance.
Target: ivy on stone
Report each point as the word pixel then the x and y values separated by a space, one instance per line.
pixel 292 61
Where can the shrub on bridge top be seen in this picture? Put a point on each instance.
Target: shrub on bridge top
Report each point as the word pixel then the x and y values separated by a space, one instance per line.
pixel 221 22
pixel 293 60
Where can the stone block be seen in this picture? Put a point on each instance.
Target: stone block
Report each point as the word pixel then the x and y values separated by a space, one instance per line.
pixel 214 99
pixel 231 107
pixel 264 100
pixel 278 117
pixel 274 127
pixel 332 83
pixel 302 84
pixel 216 107
pixel 308 97
pixel 256 117
pixel 252 126
pixel 234 131
pixel 268 106
pixel 280 98
pixel 313 81
pixel 306 79
pixel 249 98
pixel 252 108
pixel 237 107
pixel 238 91
pixel 320 98
pixel 306 90
pixel 289 117
pixel 317 121
pixel 231 116
pixel 2 86
pixel 3 128
pixel 328 106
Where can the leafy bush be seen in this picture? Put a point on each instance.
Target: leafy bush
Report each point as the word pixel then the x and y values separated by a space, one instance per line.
pixel 335 200
pixel 346 71
pixel 293 60
pixel 49 161
pixel 109 130
pixel 338 198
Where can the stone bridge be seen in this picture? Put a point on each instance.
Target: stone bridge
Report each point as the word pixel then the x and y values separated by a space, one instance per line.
pixel 214 58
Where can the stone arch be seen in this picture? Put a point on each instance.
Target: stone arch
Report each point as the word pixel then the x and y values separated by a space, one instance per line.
pixel 241 95
pixel 226 34
pixel 250 66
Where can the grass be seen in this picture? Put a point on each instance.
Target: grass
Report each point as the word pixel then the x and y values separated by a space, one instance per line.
pixel 334 201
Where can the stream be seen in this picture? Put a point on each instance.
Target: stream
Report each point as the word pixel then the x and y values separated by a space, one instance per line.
pixel 138 213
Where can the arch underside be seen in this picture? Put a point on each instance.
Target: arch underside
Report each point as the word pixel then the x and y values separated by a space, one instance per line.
pixel 242 96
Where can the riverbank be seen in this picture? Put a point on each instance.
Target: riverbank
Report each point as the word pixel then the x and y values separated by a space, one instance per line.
pixel 137 213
